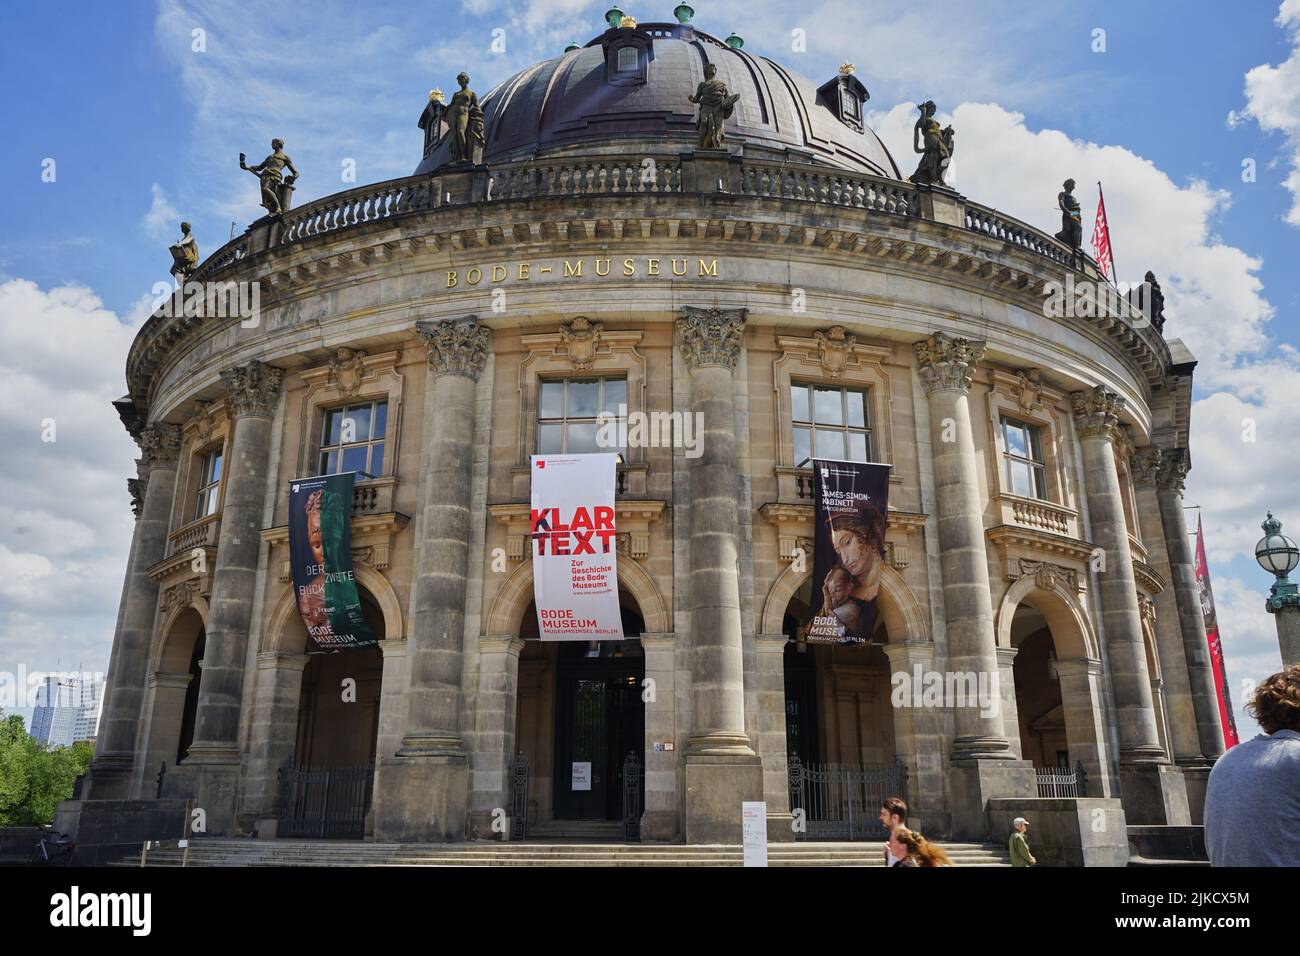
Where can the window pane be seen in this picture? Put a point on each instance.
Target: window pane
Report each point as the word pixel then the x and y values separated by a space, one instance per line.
pixel 583 399
pixel 627 59
pixel 1015 436
pixel 356 424
pixel 324 467
pixel 802 446
pixel 1036 443
pixel 1040 483
pixel 331 463
pixel 216 467
pixel 857 409
pixel 552 401
pixel 828 405
pixel 549 438
pixel 799 403
pixel 1021 480
pixel 829 444
pixel 858 446
pixel 354 458
pixel 582 439
pixel 615 394
pixel 332 419
pixel 377 459
pixel 381 419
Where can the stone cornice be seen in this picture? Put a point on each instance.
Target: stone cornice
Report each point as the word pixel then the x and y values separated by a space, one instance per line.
pixel 1096 412
pixel 1006 535
pixel 456 348
pixel 947 362
pixel 711 337
pixel 1148 578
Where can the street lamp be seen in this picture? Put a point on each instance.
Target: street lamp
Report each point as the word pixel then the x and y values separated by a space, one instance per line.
pixel 1278 554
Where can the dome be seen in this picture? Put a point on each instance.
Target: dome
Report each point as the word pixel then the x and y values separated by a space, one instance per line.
pixel 628 88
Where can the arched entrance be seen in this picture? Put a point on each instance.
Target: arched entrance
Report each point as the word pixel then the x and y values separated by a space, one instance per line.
pixel 174 692
pixel 1040 710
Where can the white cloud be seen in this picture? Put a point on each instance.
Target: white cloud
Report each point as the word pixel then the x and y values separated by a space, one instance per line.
pixel 162 222
pixel 1273 101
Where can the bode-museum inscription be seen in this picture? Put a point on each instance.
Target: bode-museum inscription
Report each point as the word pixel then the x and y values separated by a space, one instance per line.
pixel 583 268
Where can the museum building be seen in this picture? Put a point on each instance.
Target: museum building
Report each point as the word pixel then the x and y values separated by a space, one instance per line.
pixel 580 240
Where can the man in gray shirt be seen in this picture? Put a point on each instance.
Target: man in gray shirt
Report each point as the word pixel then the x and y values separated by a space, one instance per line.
pixel 1252 805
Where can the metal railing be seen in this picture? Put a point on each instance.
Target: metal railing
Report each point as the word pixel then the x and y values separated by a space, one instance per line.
pixel 632 797
pixel 842 802
pixel 327 803
pixel 520 777
pixel 1062 781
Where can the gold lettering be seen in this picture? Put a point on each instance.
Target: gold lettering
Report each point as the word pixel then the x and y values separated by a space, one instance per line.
pixel 599 270
pixel 710 270
pixel 498 273
pixel 451 278
pixel 629 267
pixel 523 270
pixel 569 269
pixel 474 276
pixel 652 266
pixel 682 270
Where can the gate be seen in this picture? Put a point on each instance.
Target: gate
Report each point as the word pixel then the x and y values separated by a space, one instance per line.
pixel 843 802
pixel 1062 781
pixel 519 780
pixel 632 797
pixel 326 804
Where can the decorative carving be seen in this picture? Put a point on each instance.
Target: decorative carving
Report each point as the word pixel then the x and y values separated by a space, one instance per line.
pixel 275 193
pixel 160 447
pixel 1175 463
pixel 1029 390
pixel 202 423
pixel 136 486
pixel 711 336
pixel 834 348
pixel 582 338
pixel 254 389
pixel 1123 444
pixel 1144 465
pixel 180 595
pixel 347 369
pixel 934 145
pixel 716 107
pixel 1147 610
pixel 456 348
pixel 1096 412
pixel 185 255
pixel 1048 576
pixel 947 362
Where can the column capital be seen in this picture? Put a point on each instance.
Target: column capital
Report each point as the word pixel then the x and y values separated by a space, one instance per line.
pixel 456 348
pixel 947 363
pixel 137 488
pixel 160 447
pixel 711 336
pixel 1175 463
pixel 500 644
pixel 254 389
pixel 1096 412
pixel 1145 465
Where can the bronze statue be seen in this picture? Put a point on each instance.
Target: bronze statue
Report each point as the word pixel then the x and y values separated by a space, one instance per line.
pixel 185 255
pixel 716 107
pixel 1071 217
pixel 465 122
pixel 934 145
pixel 269 172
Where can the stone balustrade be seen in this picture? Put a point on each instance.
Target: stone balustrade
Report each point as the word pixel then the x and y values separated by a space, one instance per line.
pixel 601 176
pixel 826 185
pixel 1039 515
pixel 998 225
pixel 373 497
pixel 197 534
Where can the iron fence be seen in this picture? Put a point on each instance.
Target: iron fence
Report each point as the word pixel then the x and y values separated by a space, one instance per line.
pixel 520 777
pixel 1062 781
pixel 326 803
pixel 632 797
pixel 842 802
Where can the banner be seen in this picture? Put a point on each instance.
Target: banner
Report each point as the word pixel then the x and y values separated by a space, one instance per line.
pixel 1101 237
pixel 575 572
pixel 850 505
pixel 320 556
pixel 1226 718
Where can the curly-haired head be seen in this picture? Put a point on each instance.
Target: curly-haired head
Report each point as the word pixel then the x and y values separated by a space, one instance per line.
pixel 1276 704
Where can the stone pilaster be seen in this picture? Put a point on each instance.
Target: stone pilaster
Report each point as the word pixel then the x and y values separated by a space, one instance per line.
pixel 984 765
pixel 722 769
pixel 919 739
pixel 274 726
pixel 770 741
pixel 1082 692
pixel 494 725
pixel 112 770
pixel 426 783
pixel 213 761
pixel 1007 693
pixel 661 821
pixel 1153 790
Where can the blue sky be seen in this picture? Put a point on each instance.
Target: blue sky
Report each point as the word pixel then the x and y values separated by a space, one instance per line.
pixel 145 129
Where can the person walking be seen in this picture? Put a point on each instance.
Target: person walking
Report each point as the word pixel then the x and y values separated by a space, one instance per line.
pixel 893 814
pixel 912 849
pixel 1018 845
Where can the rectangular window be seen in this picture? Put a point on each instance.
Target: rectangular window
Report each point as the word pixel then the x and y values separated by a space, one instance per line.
pixel 567 412
pixel 207 498
pixel 352 439
pixel 628 60
pixel 1026 473
pixel 830 422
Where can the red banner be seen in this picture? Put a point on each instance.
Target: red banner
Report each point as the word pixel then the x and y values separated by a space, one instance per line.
pixel 1226 719
pixel 1101 237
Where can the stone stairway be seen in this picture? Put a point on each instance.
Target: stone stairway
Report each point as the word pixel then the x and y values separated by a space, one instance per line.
pixel 216 851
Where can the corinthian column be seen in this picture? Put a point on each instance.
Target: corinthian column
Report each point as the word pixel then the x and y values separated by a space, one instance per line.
pixel 425 794
pixel 722 769
pixel 152 498
pixel 984 764
pixel 1152 790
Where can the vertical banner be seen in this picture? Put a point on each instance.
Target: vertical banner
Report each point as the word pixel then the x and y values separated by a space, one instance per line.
pixel 850 505
pixel 1229 723
pixel 320 555
pixel 575 574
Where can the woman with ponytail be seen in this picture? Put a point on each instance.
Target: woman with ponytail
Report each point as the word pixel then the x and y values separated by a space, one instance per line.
pixel 915 850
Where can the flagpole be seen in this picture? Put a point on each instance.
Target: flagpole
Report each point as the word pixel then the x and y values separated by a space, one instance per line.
pixel 1110 241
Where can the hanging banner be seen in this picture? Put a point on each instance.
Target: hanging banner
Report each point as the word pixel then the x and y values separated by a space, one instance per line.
pixel 1226 719
pixel 320 556
pixel 850 505
pixel 575 574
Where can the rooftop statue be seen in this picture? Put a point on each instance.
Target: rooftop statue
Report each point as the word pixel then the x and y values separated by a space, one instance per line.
pixel 270 171
pixel 716 107
pixel 185 255
pixel 1071 216
pixel 934 144
pixel 465 123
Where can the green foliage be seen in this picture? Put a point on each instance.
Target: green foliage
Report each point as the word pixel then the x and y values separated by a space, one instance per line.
pixel 33 779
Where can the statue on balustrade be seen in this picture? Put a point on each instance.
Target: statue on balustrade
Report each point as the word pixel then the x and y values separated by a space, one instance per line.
pixel 935 146
pixel 716 107
pixel 465 123
pixel 185 255
pixel 276 187
pixel 1071 216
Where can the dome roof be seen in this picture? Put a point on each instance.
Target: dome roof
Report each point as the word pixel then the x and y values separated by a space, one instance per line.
pixel 591 99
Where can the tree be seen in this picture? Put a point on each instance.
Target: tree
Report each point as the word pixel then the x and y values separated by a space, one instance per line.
pixel 33 779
